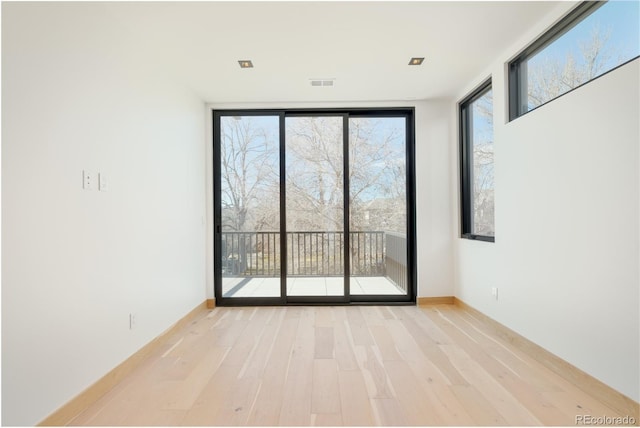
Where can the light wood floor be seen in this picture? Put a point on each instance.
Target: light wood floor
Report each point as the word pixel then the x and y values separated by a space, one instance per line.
pixel 360 365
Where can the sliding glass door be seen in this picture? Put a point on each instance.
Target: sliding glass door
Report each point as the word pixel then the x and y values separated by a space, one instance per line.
pixel 248 168
pixel 378 205
pixel 313 207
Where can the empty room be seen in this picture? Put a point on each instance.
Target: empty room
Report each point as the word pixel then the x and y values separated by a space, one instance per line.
pixel 313 213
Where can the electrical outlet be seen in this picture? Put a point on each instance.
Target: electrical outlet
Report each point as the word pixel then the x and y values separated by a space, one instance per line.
pixel 87 180
pixel 133 319
pixel 494 292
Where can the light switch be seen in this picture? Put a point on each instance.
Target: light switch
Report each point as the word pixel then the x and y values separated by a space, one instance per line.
pixel 87 180
pixel 103 184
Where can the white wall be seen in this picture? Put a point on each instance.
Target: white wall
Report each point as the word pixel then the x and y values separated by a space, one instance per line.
pixel 434 215
pixel 566 256
pixel 76 263
pixel 433 178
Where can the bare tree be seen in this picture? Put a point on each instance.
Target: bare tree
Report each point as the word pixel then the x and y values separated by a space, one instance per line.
pixel 314 184
pixel 314 173
pixel 483 171
pixel 550 76
pixel 377 175
pixel 315 167
pixel 249 161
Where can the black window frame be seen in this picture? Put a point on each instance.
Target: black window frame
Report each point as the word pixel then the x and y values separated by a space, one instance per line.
pixel 348 299
pixel 517 68
pixel 466 163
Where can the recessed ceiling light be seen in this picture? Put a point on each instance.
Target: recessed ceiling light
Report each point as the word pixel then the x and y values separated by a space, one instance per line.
pixel 416 61
pixel 245 63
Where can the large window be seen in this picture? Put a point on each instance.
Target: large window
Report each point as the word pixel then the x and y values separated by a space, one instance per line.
pixel 593 39
pixel 476 167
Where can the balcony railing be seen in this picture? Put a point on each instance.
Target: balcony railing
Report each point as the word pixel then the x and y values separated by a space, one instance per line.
pixel 371 253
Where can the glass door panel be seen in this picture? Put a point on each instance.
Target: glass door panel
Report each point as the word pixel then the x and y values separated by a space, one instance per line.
pixel 378 206
pixel 315 205
pixel 250 206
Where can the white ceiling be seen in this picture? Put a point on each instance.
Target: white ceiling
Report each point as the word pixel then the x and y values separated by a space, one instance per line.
pixel 365 46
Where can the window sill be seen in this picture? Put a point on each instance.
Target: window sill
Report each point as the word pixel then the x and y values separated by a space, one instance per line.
pixel 479 237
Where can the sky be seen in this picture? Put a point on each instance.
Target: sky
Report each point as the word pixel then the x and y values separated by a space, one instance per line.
pixel 619 19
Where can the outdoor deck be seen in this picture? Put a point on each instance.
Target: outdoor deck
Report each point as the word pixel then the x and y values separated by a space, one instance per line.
pixel 315 263
pixel 307 286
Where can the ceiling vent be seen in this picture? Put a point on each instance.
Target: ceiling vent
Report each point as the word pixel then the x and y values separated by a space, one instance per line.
pixel 322 82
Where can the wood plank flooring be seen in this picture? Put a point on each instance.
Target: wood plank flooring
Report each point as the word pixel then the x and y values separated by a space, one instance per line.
pixel 340 366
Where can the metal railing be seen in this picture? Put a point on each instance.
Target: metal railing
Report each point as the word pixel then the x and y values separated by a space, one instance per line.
pixel 251 253
pixel 371 253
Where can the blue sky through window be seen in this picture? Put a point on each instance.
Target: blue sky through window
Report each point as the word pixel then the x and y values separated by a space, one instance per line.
pixel 612 32
pixel 621 19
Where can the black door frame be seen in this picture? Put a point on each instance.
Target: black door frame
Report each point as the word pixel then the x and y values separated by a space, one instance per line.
pixel 410 298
